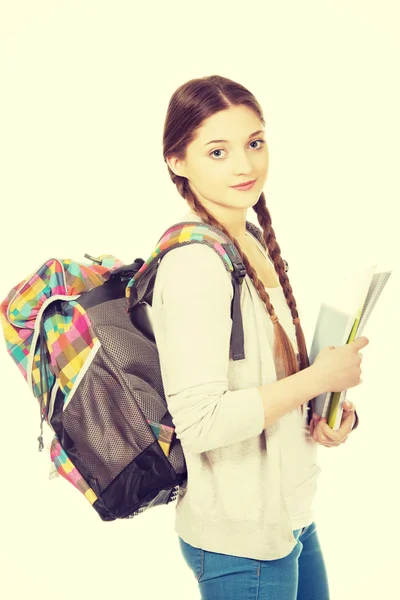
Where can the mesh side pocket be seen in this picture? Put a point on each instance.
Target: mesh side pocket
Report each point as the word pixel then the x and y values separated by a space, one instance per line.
pixel 137 358
pixel 108 428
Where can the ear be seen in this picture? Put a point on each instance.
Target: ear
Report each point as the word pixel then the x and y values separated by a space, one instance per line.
pixel 176 165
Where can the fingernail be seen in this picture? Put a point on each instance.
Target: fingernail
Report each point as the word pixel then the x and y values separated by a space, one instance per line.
pixel 349 405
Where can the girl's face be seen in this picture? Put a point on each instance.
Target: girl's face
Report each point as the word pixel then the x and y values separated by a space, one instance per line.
pixel 212 167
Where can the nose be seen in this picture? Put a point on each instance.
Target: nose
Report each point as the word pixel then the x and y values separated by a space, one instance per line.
pixel 243 165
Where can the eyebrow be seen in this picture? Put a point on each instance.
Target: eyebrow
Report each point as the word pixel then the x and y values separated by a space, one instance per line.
pixel 227 141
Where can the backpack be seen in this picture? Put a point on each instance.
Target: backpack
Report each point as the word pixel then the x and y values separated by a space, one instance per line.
pixel 81 335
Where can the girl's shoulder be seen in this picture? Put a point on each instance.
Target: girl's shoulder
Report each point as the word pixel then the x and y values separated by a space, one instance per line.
pixel 194 262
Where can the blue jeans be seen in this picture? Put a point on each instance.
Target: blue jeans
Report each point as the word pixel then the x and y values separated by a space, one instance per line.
pixel 301 575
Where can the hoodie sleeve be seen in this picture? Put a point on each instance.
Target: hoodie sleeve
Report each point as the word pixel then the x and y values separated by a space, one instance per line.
pixel 191 315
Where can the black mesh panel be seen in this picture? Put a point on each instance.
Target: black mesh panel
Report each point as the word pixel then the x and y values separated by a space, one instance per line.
pixel 107 415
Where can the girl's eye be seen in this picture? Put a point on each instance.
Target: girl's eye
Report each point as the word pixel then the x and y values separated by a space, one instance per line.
pixel 262 143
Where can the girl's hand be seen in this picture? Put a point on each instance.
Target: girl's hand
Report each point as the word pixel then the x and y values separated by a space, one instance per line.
pixel 325 435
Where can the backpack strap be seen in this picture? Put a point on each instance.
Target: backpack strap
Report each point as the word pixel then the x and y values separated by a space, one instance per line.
pixel 190 232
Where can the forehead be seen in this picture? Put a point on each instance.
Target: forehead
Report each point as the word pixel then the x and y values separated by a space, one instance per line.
pixel 234 124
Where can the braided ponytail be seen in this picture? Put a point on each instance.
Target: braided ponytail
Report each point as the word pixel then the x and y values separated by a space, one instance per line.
pixel 284 349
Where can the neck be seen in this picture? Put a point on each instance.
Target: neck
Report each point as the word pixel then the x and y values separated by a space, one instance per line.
pixel 234 220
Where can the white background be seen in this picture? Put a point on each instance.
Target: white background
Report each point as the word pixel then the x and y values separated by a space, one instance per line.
pixel 84 91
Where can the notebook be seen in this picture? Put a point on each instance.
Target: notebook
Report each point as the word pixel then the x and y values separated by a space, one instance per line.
pixel 332 329
pixel 337 327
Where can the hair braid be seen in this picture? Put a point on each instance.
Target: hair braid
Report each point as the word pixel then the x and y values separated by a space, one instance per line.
pixel 274 251
pixel 283 346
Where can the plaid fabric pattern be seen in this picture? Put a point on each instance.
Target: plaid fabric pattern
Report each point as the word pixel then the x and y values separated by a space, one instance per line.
pixel 67 469
pixel 26 301
pixel 180 234
pixel 70 339
pixel 163 433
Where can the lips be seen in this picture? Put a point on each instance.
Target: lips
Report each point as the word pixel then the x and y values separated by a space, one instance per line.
pixel 244 184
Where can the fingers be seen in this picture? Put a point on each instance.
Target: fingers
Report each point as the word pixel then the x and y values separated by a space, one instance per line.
pixel 350 408
pixel 325 441
pixel 360 342
pixel 325 435
pixel 315 419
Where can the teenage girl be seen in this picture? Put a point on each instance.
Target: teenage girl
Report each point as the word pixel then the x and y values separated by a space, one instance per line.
pixel 244 516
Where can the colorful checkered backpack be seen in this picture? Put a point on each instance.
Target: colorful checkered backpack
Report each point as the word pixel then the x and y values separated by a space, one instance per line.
pixel 81 335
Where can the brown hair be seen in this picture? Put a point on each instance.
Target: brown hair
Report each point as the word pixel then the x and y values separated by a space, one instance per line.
pixel 189 106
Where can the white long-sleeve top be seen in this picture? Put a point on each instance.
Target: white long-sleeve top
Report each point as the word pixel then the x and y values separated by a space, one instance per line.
pixel 247 488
